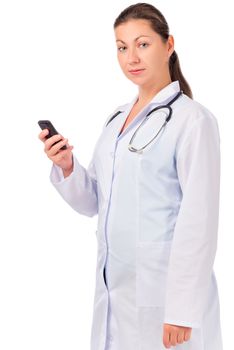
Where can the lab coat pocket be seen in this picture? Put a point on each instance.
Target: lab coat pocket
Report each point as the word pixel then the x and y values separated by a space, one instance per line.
pixel 151 272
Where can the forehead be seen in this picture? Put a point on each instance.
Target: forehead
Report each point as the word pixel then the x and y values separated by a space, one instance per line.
pixel 134 28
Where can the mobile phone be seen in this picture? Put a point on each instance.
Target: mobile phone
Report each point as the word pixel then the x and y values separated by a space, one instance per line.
pixel 46 124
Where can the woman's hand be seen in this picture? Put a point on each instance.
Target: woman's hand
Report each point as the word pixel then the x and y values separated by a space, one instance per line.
pixel 62 158
pixel 173 334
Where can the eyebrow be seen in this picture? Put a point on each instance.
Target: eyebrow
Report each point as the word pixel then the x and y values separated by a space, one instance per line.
pixel 134 39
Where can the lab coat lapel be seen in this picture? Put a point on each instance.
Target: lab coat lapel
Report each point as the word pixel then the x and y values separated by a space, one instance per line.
pixel 162 97
pixel 106 150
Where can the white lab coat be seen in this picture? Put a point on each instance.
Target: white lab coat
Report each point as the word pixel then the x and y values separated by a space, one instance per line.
pixel 157 228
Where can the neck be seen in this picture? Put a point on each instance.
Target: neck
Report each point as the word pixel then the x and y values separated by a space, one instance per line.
pixel 146 93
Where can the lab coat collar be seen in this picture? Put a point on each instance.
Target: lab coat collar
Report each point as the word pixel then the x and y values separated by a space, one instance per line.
pixel 164 94
pixel 162 97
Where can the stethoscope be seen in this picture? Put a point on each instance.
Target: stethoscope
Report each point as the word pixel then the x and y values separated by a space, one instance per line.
pixel 167 106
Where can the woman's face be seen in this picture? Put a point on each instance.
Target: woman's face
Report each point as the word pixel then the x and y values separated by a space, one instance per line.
pixel 140 47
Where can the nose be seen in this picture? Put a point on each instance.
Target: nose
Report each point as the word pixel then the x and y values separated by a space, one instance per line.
pixel 132 56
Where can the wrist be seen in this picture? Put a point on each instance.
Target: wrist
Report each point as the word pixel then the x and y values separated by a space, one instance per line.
pixel 68 171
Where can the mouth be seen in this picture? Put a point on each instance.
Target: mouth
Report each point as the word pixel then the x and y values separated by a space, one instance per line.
pixel 136 71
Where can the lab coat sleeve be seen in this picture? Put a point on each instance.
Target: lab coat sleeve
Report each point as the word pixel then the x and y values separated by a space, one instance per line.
pixel 195 234
pixel 79 189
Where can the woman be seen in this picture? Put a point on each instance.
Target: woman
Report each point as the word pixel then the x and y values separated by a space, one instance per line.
pixel 157 204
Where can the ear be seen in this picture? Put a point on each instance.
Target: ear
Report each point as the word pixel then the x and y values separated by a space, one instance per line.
pixel 170 45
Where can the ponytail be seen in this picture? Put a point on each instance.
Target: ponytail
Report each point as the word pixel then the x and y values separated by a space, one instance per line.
pixel 176 74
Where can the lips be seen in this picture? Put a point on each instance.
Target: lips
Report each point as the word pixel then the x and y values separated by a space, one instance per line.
pixel 136 70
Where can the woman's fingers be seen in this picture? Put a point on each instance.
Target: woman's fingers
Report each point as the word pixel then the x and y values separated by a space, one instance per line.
pixel 43 134
pixel 187 334
pixel 180 336
pixel 63 154
pixel 166 337
pixel 173 334
pixel 51 140
pixel 53 150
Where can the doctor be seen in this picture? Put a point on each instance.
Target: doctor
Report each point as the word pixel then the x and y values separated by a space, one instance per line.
pixel 157 200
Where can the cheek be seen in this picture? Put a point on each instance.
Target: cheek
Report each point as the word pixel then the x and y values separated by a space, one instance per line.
pixel 121 61
pixel 154 56
pixel 156 60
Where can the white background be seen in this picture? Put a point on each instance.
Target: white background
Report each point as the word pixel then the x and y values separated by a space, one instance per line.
pixel 58 62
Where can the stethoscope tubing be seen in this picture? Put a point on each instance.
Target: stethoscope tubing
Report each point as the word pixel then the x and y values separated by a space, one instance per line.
pixel 168 106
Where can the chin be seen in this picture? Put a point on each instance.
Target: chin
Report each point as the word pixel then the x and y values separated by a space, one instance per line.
pixel 137 80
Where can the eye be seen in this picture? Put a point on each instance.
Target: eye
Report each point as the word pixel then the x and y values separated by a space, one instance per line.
pixel 121 47
pixel 144 44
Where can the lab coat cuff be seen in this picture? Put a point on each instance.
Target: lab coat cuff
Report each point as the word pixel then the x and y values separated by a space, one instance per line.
pixel 182 323
pixel 56 173
pixel 186 307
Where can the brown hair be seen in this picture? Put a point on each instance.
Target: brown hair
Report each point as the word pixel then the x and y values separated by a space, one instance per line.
pixel 159 24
